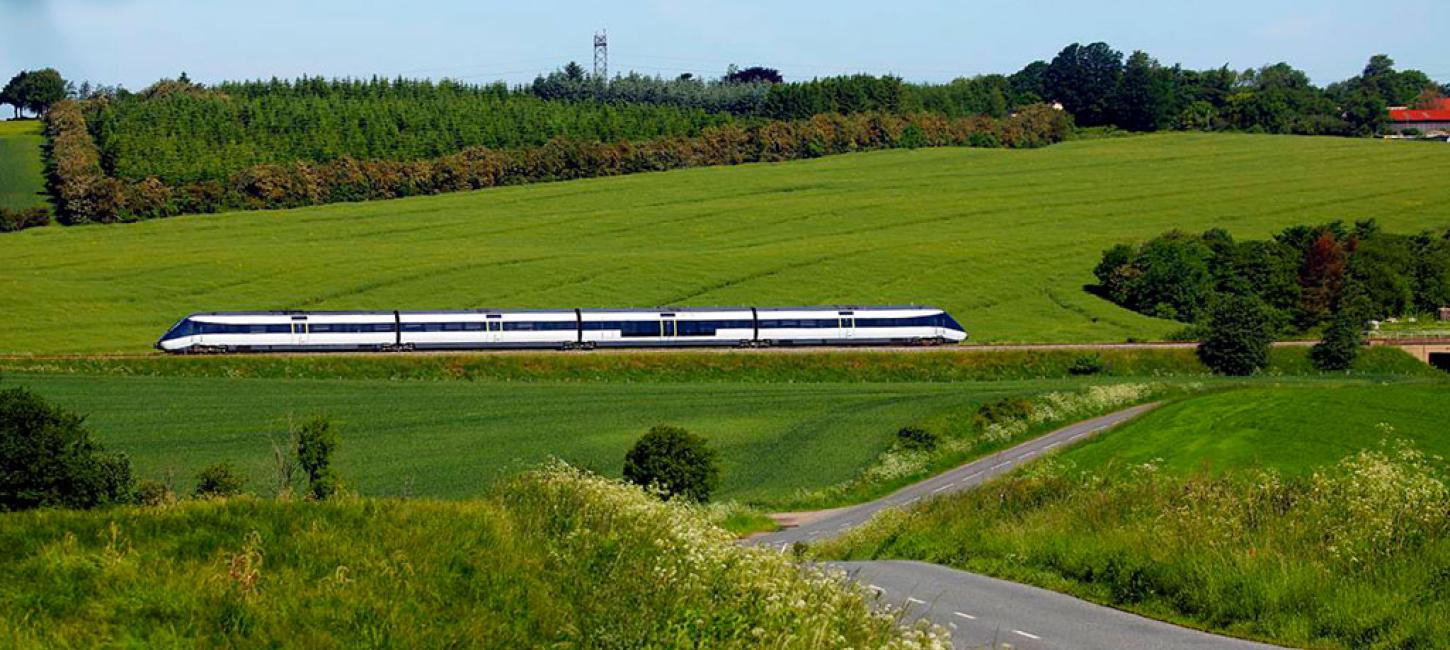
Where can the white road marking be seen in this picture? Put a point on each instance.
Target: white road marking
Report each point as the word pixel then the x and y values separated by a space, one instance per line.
pixel 910 501
pixel 999 464
pixel 948 485
pixel 915 601
pixel 1028 455
pixel 1030 636
pixel 875 588
pixel 1051 446
pixel 972 476
pixel 966 616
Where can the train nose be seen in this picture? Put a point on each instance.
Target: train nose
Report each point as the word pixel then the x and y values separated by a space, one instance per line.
pixel 955 336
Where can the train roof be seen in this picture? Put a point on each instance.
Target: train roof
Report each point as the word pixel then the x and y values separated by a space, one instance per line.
pixel 669 308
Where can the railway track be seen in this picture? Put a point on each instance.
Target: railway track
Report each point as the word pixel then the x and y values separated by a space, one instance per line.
pixel 961 349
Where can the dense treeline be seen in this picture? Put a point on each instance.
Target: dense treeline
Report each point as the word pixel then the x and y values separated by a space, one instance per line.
pixel 1100 88
pixel 987 95
pixel 1096 83
pixel 85 193
pixel 1303 276
pixel 181 133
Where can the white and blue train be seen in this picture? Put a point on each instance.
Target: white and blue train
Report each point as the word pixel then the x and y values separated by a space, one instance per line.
pixel 296 331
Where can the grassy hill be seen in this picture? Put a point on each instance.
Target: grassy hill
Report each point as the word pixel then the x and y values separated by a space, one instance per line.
pixel 554 559
pixel 22 182
pixel 1291 430
pixel 1003 239
pixel 1273 513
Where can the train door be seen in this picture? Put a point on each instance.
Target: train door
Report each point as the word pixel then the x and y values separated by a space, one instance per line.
pixel 494 328
pixel 299 330
pixel 668 327
pixel 847 323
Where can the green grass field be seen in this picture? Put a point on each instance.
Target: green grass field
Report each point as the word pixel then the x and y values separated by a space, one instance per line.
pixel 22 181
pixel 1003 239
pixel 449 426
pixel 1291 430
pixel 455 439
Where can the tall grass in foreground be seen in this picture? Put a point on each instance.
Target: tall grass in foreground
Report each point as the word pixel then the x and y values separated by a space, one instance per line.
pixel 1355 555
pixel 556 558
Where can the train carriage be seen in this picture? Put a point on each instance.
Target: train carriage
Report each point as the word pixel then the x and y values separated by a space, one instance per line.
pixel 283 331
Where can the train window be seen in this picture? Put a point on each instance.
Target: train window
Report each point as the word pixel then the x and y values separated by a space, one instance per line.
pixel 349 328
pixel 639 328
pixel 695 328
pixel 601 325
pixel 473 327
pixel 915 321
pixel 801 323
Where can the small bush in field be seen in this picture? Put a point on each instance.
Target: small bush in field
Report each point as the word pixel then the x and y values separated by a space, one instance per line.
pixel 154 493
pixel 316 440
pixel 47 458
pixel 219 480
pixel 674 461
pixel 916 438
pixel 1087 364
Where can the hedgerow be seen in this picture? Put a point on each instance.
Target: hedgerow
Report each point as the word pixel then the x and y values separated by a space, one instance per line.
pixel 86 194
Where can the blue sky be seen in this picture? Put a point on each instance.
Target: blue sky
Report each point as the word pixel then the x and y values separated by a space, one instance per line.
pixel 135 42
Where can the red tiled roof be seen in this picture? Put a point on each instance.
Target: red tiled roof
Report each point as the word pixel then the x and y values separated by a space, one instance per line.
pixel 1440 113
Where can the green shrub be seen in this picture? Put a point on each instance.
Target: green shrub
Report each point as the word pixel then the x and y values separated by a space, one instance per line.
pixel 916 438
pixel 151 492
pixel 674 461
pixel 1339 345
pixel 219 480
pixel 47 458
pixel 316 440
pixel 1002 410
pixel 12 220
pixel 1238 338
pixel 1087 364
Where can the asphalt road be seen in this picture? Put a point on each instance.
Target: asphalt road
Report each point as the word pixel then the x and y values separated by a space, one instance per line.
pixel 962 478
pixel 987 612
pixel 984 612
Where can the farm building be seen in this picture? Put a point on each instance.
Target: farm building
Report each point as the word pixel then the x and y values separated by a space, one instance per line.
pixel 1434 120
